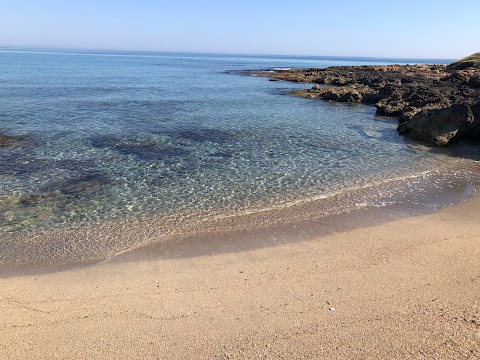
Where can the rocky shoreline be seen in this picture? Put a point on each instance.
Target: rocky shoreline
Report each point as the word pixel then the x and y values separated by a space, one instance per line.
pixel 434 103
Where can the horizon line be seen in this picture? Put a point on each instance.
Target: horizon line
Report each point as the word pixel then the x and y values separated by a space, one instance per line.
pixel 46 49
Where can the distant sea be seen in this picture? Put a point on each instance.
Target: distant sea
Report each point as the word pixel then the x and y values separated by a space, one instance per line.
pixel 112 136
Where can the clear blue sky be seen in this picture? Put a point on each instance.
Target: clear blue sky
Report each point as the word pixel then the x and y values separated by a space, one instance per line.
pixel 426 29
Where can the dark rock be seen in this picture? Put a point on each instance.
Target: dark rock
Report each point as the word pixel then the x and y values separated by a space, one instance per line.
pixel 349 93
pixel 474 81
pixel 394 105
pixel 87 184
pixel 84 185
pixel 33 199
pixel 417 94
pixel 472 61
pixel 343 94
pixel 460 77
pixel 439 126
pixel 143 149
pixel 10 140
pixel 474 131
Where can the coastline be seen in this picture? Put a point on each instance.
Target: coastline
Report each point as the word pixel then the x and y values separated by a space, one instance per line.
pixel 388 276
pixel 434 103
pixel 197 234
pixel 74 218
pixel 406 288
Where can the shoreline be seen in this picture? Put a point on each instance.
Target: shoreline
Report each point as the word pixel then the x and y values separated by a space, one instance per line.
pixel 388 279
pixel 61 249
pixel 406 288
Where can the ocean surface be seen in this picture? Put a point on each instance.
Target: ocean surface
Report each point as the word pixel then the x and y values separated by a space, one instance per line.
pixel 116 136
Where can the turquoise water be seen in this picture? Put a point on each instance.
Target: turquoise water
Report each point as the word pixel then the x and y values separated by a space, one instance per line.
pixel 122 135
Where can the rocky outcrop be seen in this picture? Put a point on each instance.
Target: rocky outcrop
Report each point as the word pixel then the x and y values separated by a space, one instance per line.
pixel 474 131
pixel 474 81
pixel 439 126
pixel 434 103
pixel 472 61
pixel 348 93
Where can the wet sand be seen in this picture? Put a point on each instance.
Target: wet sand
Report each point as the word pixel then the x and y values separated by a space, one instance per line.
pixel 407 288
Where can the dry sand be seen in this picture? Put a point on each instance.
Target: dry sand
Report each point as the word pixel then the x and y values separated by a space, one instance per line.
pixel 409 288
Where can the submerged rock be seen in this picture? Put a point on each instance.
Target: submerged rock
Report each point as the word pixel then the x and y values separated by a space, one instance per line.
pixel 10 140
pixel 143 149
pixel 84 185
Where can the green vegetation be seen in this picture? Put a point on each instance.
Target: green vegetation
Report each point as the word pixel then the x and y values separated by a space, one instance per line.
pixel 469 61
pixel 437 67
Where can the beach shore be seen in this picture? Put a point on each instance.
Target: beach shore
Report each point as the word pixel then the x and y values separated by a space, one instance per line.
pixel 407 288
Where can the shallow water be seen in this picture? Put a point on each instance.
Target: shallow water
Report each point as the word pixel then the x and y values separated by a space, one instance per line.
pixel 123 136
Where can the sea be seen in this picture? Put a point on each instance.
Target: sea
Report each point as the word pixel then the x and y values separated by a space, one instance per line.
pixel 123 149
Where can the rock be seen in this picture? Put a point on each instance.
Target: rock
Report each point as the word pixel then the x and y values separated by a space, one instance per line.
pixel 10 140
pixel 349 93
pixel 461 77
pixel 84 186
pixel 8 200
pixel 474 131
pixel 419 95
pixel 9 215
pixel 32 199
pixel 474 81
pixel 439 126
pixel 476 110
pixel 394 105
pixel 466 62
pixel 87 184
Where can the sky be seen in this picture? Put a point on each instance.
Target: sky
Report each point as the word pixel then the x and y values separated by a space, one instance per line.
pixel 410 29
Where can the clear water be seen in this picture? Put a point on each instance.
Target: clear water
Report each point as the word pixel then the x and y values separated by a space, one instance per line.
pixel 127 135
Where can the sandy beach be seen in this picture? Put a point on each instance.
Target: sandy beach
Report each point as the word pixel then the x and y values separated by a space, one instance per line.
pixel 225 180
pixel 408 288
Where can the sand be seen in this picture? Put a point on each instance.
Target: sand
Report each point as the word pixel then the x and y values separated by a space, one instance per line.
pixel 407 288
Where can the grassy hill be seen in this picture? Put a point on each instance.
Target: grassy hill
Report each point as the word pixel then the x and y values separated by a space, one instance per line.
pixel 469 61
